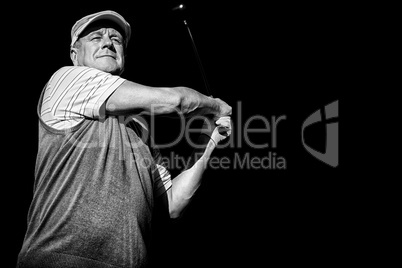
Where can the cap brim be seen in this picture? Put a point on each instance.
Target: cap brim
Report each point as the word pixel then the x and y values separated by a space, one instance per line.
pixel 107 16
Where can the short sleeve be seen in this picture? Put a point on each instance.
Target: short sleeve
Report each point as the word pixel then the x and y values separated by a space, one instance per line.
pixel 161 174
pixel 74 93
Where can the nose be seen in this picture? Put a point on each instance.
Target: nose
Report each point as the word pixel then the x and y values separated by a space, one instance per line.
pixel 107 43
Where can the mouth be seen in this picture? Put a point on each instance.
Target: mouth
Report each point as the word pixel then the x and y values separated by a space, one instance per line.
pixel 109 56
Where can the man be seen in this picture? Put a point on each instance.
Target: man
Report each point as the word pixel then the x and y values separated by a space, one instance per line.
pixel 97 174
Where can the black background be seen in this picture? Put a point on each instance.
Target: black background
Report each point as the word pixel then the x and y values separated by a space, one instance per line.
pixel 263 59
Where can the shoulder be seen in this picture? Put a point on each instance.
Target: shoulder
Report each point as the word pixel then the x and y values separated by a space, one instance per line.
pixel 74 70
pixel 76 74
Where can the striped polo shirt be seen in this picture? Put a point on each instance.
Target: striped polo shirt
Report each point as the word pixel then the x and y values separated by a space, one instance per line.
pixel 77 92
pixel 96 179
pixel 74 93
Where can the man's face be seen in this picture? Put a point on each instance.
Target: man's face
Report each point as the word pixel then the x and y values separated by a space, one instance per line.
pixel 101 47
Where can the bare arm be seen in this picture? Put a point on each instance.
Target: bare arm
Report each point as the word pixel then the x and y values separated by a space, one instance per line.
pixel 186 183
pixel 132 97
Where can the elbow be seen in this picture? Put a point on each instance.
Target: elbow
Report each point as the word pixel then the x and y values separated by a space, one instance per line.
pixel 177 208
pixel 186 100
pixel 171 101
pixel 174 214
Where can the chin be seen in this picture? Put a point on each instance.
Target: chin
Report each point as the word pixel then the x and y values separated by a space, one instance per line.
pixel 111 69
pixel 109 65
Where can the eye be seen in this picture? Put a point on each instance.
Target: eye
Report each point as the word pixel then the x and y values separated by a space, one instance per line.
pixel 95 38
pixel 117 40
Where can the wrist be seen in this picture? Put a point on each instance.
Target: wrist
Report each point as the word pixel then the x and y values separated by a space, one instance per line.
pixel 211 143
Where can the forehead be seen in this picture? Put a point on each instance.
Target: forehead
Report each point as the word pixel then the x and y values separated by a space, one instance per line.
pixel 102 25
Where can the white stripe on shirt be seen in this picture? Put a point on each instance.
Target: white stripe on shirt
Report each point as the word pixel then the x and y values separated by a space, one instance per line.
pixel 76 92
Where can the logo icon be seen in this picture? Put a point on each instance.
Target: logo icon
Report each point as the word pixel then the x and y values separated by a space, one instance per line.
pixel 331 155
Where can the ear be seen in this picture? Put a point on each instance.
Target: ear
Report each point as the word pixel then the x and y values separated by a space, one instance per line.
pixel 73 55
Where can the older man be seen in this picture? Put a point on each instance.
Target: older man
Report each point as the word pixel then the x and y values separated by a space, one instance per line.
pixel 97 174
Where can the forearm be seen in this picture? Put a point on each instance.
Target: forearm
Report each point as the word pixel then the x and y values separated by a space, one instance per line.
pixel 186 183
pixel 132 97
